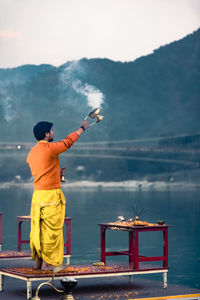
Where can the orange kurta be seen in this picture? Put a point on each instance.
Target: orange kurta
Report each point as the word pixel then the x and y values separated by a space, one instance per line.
pixel 44 163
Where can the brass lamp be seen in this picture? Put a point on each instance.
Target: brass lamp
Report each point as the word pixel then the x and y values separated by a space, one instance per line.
pixel 95 113
pixel 67 282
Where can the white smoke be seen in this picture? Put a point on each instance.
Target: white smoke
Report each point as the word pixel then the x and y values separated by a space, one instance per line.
pixel 7 104
pixel 9 113
pixel 93 95
pixel 67 74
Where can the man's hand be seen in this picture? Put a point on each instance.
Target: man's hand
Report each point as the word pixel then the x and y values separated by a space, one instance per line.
pixel 83 127
pixel 85 124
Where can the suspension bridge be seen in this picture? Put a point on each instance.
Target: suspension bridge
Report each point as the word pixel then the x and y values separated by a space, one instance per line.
pixel 176 149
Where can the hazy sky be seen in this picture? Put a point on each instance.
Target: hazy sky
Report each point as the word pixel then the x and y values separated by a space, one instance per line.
pixel 56 31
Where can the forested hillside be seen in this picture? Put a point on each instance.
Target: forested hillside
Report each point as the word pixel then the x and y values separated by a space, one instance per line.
pixel 155 95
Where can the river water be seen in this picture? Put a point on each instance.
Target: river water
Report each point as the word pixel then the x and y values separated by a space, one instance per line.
pixel 92 204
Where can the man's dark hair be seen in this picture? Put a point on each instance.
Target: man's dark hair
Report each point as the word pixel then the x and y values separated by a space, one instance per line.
pixel 41 128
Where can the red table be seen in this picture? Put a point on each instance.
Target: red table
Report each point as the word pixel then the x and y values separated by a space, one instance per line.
pixel 21 219
pixel 133 251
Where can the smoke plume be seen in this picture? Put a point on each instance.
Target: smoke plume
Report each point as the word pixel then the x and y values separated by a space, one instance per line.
pixel 94 96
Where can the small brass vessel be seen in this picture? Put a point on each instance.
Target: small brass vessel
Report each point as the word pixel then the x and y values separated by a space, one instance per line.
pixel 95 113
pixel 160 222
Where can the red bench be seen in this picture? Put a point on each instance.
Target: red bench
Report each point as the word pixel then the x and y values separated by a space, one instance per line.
pixel 67 243
pixel 133 251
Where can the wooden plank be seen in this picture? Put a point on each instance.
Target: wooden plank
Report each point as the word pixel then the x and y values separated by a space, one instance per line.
pixel 29 279
pixel 9 255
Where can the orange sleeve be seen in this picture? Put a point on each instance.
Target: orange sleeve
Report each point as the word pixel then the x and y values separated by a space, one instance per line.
pixel 65 144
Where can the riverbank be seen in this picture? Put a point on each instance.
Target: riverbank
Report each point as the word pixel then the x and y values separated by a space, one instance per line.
pixel 110 185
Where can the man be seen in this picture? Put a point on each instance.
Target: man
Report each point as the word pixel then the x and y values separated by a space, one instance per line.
pixel 48 201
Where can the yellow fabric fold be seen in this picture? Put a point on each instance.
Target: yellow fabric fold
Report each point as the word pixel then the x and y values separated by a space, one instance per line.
pixel 47 219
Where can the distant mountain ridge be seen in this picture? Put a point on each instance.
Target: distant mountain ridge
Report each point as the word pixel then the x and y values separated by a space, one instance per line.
pixel 155 95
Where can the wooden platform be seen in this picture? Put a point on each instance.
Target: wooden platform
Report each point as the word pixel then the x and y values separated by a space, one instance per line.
pixel 87 271
pixel 4 255
pixel 12 255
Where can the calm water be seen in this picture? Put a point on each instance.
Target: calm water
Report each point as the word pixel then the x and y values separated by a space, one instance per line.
pixel 180 208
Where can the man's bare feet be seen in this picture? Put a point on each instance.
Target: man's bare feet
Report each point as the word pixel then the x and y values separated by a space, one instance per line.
pixel 38 262
pixel 47 267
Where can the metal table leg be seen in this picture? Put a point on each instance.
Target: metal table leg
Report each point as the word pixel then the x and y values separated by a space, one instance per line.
pixel 0 230
pixel 131 249
pixel 135 250
pixel 1 282
pixel 103 244
pixel 19 241
pixel 165 280
pixel 165 248
pixel 29 289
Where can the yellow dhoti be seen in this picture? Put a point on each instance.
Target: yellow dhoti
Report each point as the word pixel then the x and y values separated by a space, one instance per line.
pixel 47 219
